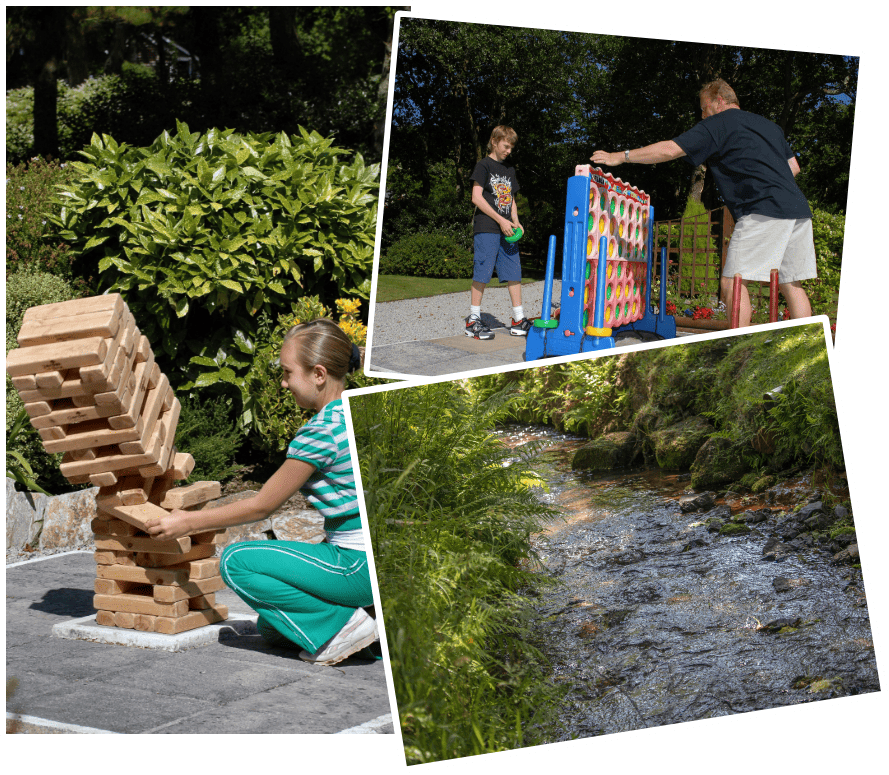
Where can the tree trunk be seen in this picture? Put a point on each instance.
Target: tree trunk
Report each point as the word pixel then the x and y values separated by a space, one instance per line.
pixel 285 42
pixel 75 50
pixel 48 42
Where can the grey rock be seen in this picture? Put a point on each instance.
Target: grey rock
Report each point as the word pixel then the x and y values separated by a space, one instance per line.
pixel 781 584
pixel 306 525
pixel 24 517
pixel 66 520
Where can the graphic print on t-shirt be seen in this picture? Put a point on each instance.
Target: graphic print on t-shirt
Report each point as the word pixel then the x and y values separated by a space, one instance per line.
pixel 502 188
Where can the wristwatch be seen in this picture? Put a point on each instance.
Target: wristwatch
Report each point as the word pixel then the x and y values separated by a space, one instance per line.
pixel 626 155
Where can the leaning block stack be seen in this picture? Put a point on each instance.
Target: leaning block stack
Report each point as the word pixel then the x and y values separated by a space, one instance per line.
pixel 92 390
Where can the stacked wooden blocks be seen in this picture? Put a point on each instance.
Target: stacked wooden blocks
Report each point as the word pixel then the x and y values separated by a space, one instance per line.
pixel 92 390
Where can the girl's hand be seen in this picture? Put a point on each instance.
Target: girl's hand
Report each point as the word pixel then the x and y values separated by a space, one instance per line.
pixel 173 526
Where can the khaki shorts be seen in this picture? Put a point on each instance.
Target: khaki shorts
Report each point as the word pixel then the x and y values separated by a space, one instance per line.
pixel 760 243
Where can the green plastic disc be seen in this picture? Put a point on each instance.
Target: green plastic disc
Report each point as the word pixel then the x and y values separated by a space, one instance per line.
pixel 516 235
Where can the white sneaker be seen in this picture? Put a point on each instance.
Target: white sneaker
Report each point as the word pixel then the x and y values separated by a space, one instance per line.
pixel 358 632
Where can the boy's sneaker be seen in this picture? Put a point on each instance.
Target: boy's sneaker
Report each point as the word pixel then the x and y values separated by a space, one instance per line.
pixel 358 632
pixel 477 330
pixel 520 327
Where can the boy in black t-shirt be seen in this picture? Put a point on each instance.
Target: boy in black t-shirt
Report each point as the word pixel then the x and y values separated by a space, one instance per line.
pixel 754 169
pixel 494 186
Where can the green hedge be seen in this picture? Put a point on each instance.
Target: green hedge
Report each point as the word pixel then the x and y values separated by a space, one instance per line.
pixel 30 239
pixel 428 255
pixel 203 232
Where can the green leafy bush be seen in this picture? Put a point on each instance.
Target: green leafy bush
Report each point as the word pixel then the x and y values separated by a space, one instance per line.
pixel 450 512
pixel 827 230
pixel 26 289
pixel 208 430
pixel 428 255
pixel 31 242
pixel 203 232
pixel 270 413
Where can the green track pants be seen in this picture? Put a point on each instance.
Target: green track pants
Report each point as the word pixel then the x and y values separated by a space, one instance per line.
pixel 306 592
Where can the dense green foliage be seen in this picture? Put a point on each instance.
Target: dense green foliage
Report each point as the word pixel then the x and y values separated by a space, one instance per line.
pixel 578 397
pixel 428 255
pixel 246 68
pixel 269 412
pixel 202 232
pixel 450 512
pixel 725 380
pixel 208 430
pixel 25 289
pixel 30 239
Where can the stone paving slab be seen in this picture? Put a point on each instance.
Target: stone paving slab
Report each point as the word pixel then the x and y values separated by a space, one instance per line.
pixel 235 684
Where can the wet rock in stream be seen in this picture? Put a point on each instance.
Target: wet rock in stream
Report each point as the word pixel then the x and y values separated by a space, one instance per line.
pixel 658 618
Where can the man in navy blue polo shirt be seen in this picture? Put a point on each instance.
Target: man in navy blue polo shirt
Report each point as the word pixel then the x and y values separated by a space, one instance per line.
pixel 754 169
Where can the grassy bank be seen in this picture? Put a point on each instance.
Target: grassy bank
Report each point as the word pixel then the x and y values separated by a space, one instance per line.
pixel 450 523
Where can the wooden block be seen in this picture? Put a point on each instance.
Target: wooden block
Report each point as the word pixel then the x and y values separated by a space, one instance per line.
pixel 215 537
pixel 113 527
pixel 139 604
pixel 103 480
pixel 84 454
pixel 102 375
pixel 92 434
pixel 167 450
pixel 114 587
pixel 191 621
pixel 203 569
pixel 49 434
pixel 188 590
pixel 134 490
pixel 138 515
pixel 191 495
pixel 143 544
pixel 162 576
pixel 72 388
pixel 65 413
pixel 38 409
pixel 78 479
pixel 49 379
pixel 82 401
pixel 145 623
pixel 54 357
pixel 125 620
pixel 26 382
pixel 143 373
pixel 155 560
pixel 108 460
pixel 105 618
pixel 202 602
pixel 38 331
pixel 73 307
pixel 108 557
pixel 183 465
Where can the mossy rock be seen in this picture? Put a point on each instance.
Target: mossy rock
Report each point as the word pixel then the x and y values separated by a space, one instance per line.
pixel 717 463
pixel 763 483
pixel 614 450
pixel 677 446
pixel 734 528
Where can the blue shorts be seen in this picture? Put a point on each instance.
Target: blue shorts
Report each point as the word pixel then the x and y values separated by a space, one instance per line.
pixel 492 250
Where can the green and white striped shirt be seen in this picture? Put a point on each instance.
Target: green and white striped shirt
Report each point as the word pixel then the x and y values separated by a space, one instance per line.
pixel 323 443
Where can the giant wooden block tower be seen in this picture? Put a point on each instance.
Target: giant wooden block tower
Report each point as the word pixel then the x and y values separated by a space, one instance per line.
pixel 92 390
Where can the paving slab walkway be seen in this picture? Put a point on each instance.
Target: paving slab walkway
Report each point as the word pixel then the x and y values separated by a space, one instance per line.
pixel 235 685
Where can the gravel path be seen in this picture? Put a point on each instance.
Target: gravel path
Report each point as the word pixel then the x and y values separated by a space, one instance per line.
pixel 436 317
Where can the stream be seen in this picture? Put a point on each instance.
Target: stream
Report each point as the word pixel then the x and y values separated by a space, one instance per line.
pixel 654 620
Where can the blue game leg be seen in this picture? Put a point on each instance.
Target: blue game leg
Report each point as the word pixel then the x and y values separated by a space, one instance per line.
pixel 535 346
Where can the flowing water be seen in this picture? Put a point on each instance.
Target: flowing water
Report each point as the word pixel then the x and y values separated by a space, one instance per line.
pixel 657 621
